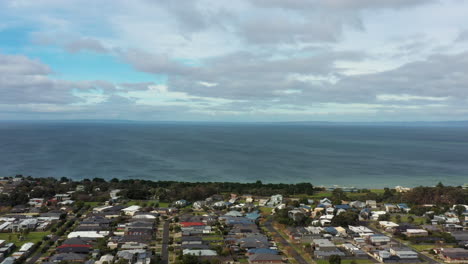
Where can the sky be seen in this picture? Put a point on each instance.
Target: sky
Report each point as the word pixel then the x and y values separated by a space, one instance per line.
pixel 243 60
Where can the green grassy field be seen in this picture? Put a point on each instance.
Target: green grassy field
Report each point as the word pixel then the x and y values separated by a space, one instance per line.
pixel 93 204
pixel 351 195
pixel 31 237
pixel 404 218
pixel 212 238
pixel 265 210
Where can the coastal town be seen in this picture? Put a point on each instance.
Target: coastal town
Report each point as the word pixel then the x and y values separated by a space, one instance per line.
pixel 44 220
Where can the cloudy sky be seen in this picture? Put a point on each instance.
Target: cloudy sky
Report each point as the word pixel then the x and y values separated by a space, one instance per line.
pixel 242 60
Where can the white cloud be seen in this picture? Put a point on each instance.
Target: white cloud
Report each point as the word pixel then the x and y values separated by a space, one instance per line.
pixel 407 97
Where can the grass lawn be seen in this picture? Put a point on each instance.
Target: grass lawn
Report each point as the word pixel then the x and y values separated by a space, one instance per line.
pixel 93 204
pixel 404 218
pixel 140 202
pixel 31 237
pixel 421 247
pixel 212 238
pixel 266 210
pixel 164 205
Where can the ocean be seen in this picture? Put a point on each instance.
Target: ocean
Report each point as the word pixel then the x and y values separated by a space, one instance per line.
pixel 345 155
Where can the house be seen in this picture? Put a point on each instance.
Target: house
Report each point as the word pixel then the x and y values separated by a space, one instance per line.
pixel 62 197
pixel 180 203
pixel 36 202
pixel 68 257
pixel 404 207
pixel 390 208
pixel 75 245
pixel 404 254
pixel 275 200
pixel 198 205
pixel 402 189
pixel 371 203
pixel 199 252
pixel 416 232
pixel 88 234
pixel 234 213
pixel 357 204
pixel 9 260
pixel 131 210
pixel 262 251
pixel 323 245
pixel 94 223
pixel 114 194
pixel 376 214
pixel 253 241
pixel 453 255
pixel 7 249
pixel 388 224
pixel 385 256
pixel 296 214
pixel 135 256
pixel 261 258
pixel 362 231
pixel 106 258
pixel 378 240
pixel 319 254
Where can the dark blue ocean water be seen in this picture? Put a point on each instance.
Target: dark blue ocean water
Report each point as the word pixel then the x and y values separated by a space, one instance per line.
pixel 361 156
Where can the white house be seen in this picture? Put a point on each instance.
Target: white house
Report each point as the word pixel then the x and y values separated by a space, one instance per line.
pixel 131 210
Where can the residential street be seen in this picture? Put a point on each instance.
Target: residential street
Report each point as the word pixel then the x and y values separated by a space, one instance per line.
pixel 294 254
pixel 165 242
pixel 424 257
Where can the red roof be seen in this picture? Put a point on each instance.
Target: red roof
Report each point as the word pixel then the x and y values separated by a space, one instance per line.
pixel 187 224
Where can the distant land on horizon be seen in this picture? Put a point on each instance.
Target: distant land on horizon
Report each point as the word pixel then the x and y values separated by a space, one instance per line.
pixel 333 123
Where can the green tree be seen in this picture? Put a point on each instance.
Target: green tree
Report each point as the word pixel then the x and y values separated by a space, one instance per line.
pixel 398 218
pixel 460 209
pixel 345 219
pixel 334 259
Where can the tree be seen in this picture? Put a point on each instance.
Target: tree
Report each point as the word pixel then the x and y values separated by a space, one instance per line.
pixel 398 219
pixel 460 209
pixel 384 217
pixel 345 219
pixel 334 259
pixel 410 219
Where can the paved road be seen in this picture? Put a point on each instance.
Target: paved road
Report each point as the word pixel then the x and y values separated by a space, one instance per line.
pixel 165 242
pixel 424 257
pixel 293 253
pixel 38 253
pixel 54 239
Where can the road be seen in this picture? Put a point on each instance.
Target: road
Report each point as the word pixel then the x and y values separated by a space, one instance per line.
pixel 54 239
pixel 38 253
pixel 293 253
pixel 424 257
pixel 165 243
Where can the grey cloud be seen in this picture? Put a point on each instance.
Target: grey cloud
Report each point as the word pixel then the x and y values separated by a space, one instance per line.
pixel 154 63
pixel 21 65
pixel 136 86
pixel 340 4
pixel 24 81
pixel 244 75
pixel 257 80
pixel 85 44
pixel 462 36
